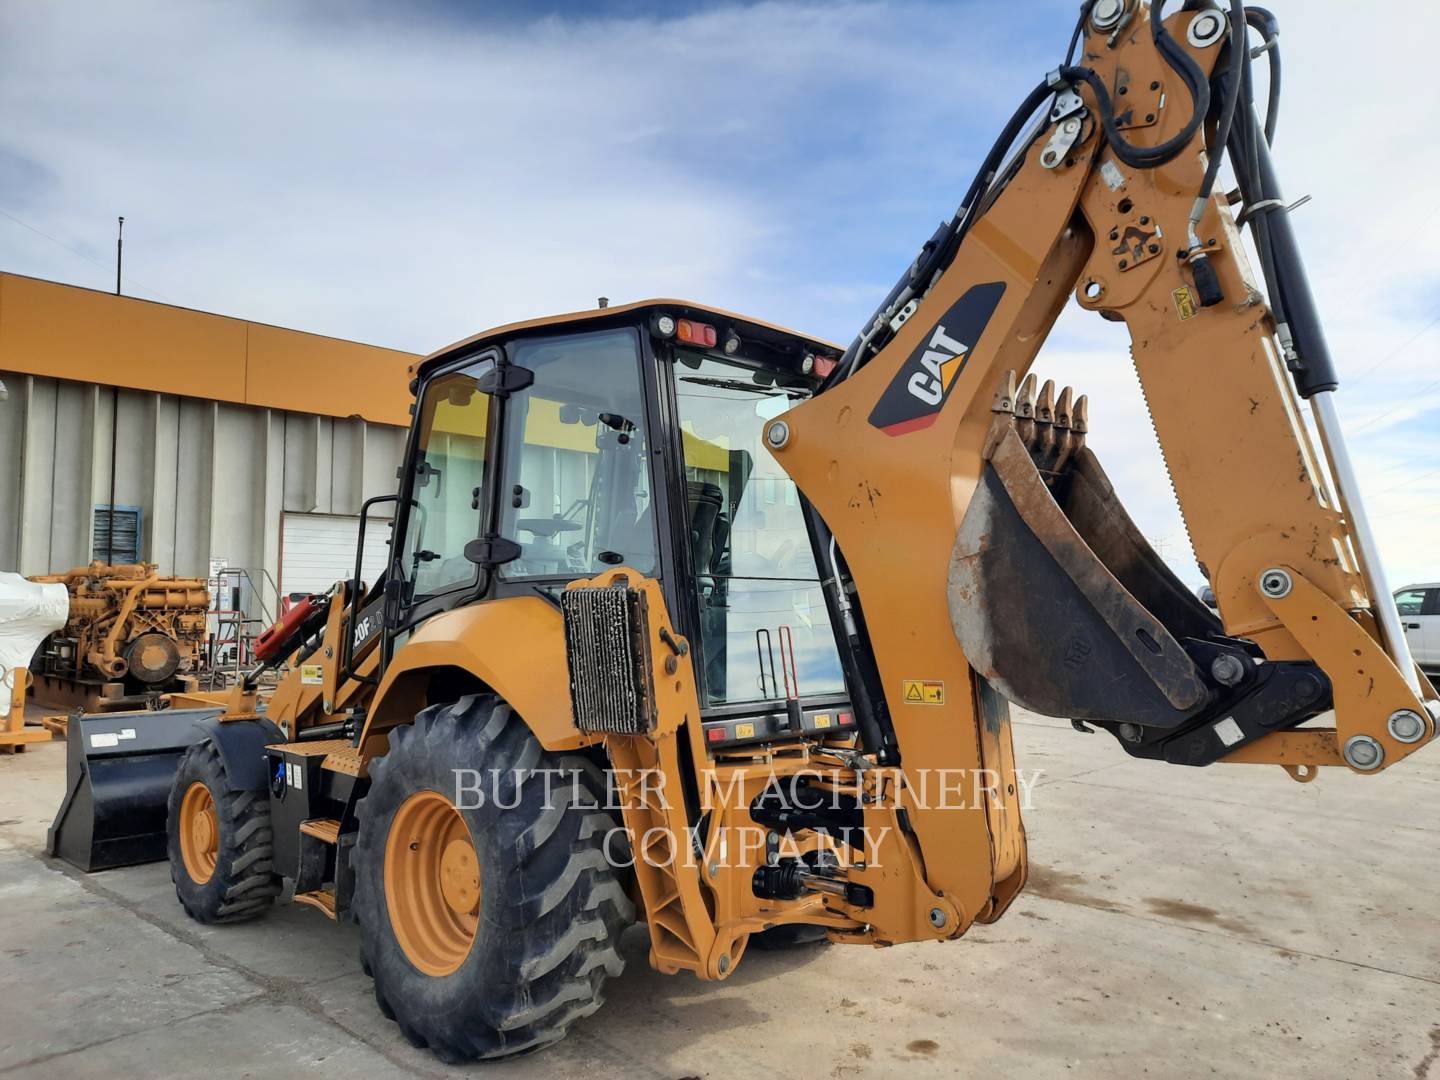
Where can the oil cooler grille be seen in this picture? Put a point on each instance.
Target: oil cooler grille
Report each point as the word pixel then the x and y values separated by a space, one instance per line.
pixel 607 647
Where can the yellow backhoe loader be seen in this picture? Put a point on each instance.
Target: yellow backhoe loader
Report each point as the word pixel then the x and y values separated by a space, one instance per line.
pixel 696 620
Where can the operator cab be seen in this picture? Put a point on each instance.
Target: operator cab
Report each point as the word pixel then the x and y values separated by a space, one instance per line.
pixel 631 436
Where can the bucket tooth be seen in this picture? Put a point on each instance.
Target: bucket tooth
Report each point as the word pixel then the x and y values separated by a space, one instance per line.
pixel 1080 421
pixel 1064 435
pixel 1045 403
pixel 1045 423
pixel 1004 410
pixel 1063 408
pixel 1025 411
pixel 1025 398
pixel 1006 395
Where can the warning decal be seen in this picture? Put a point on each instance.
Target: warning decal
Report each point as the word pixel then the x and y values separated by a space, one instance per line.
pixel 923 692
pixel 1184 303
pixel 311 674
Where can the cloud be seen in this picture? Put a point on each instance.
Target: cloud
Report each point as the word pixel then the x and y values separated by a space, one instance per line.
pixel 408 179
pixel 412 181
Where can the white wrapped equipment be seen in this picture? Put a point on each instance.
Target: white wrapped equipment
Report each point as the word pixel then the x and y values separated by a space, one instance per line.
pixel 29 613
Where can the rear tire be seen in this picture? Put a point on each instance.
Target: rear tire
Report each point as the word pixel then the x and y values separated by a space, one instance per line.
pixel 548 906
pixel 232 841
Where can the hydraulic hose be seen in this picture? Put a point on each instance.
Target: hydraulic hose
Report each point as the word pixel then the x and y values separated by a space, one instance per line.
pixel 936 255
pixel 1268 27
pixel 938 252
pixel 1146 157
pixel 1234 85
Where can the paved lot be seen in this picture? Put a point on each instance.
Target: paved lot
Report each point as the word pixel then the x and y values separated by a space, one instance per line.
pixel 1223 922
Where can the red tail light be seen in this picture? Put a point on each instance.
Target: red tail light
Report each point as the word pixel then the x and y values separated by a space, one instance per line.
pixel 696 333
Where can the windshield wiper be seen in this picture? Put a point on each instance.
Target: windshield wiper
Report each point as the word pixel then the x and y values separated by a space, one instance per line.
pixel 748 387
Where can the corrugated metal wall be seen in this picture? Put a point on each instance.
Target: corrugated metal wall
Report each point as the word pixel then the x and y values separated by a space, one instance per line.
pixel 212 478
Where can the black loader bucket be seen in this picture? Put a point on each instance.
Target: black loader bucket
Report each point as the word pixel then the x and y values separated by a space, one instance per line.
pixel 1061 603
pixel 118 772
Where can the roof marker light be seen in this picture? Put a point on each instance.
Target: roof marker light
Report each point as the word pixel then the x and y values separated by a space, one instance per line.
pixel 696 333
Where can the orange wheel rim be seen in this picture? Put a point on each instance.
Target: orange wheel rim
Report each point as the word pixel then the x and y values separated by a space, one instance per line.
pixel 432 883
pixel 199 833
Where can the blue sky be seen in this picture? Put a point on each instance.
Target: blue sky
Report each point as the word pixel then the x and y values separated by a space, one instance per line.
pixel 410 178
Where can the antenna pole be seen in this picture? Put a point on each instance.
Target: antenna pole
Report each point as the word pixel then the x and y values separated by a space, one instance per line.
pixel 119 253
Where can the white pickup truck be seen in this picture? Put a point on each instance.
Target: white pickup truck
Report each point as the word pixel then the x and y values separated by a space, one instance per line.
pixel 1420 616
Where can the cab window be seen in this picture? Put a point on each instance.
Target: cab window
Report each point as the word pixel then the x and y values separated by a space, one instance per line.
pixel 576 487
pixel 447 493
pixel 756 575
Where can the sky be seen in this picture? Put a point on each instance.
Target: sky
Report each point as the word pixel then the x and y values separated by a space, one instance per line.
pixel 409 174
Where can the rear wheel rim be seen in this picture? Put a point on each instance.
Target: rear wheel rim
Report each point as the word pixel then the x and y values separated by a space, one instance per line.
pixel 432 883
pixel 199 833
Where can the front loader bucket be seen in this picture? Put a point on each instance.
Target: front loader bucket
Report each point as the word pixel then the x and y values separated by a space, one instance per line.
pixel 1054 594
pixel 118 772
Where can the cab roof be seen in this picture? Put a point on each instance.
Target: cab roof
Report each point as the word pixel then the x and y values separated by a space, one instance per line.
pixel 743 325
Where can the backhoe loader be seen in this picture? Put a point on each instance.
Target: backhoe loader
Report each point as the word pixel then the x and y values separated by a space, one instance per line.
pixel 692 619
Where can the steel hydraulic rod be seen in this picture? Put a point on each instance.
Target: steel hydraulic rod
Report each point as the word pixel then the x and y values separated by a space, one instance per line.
pixel 1382 602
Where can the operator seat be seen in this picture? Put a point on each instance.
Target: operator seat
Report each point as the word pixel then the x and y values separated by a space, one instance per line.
pixel 706 500
pixel 708 531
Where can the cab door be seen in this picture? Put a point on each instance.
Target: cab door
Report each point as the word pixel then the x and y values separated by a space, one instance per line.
pixel 445 491
pixel 576 480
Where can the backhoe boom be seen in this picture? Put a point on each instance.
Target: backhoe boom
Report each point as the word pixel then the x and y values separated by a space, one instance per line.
pixel 983 543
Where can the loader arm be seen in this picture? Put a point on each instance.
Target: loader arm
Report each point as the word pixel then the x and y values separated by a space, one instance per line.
pixel 976 537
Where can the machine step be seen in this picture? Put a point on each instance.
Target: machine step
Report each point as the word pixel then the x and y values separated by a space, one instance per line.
pixel 326 829
pixel 322 899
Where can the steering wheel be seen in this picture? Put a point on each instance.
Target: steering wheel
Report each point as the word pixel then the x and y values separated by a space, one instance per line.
pixel 548 526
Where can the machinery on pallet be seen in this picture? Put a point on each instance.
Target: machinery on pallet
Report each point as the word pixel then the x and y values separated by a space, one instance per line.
pixel 131 634
pixel 559 709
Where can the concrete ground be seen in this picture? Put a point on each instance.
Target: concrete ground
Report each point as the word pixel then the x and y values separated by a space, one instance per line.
pixel 1178 923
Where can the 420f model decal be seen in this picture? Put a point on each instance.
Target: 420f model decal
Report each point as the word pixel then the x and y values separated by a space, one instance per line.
pixel 915 396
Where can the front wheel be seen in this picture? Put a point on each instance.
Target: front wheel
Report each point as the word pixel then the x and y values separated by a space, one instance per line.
pixel 488 929
pixel 219 842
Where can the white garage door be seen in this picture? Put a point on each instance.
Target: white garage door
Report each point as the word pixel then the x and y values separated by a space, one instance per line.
pixel 318 550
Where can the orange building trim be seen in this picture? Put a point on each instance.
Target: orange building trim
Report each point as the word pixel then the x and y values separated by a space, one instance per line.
pixel 68 332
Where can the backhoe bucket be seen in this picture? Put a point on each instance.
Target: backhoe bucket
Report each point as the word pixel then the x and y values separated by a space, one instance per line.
pixel 118 772
pixel 1054 594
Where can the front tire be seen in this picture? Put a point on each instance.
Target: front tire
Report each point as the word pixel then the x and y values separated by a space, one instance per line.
pixel 219 842
pixel 488 930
